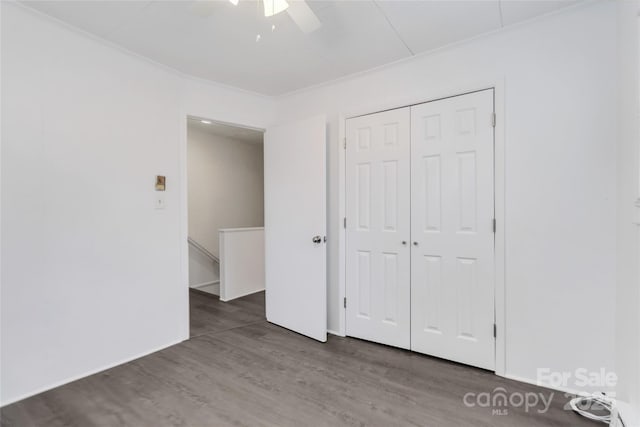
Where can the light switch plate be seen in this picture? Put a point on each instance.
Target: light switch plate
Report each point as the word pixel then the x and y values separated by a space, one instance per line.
pixel 159 202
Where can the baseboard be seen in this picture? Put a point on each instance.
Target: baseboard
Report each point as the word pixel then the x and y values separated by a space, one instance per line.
pixel 200 285
pixel 536 383
pixel 332 332
pixel 89 373
pixel 242 295
pixel 209 289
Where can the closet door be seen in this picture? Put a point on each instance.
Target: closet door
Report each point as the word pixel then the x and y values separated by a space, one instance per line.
pixel 452 261
pixel 377 245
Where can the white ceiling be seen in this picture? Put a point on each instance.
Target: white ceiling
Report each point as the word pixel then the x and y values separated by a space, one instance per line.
pixel 215 40
pixel 226 131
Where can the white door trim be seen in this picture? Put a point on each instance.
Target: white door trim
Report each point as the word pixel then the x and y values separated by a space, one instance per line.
pixel 498 84
pixel 184 202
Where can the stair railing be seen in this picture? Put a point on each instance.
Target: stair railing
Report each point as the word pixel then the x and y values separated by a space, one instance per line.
pixel 202 250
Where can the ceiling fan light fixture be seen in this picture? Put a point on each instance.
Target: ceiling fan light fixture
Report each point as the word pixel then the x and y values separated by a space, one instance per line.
pixel 273 7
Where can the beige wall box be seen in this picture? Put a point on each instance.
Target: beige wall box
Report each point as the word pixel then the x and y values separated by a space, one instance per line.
pixel 160 182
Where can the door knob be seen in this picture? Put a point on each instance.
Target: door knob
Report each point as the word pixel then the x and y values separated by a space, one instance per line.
pixel 316 239
pixel 404 242
pixel 415 243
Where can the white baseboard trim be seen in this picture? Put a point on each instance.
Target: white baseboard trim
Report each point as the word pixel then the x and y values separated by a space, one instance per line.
pixel 536 383
pixel 242 295
pixel 213 289
pixel 200 285
pixel 89 373
pixel 332 332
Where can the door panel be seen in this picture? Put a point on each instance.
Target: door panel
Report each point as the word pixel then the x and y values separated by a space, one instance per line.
pixel 295 213
pixel 378 270
pixel 452 211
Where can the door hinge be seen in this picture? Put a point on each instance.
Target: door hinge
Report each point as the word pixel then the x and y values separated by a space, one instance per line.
pixel 344 143
pixel 344 222
pixel 493 119
pixel 495 330
pixel 495 225
pixel 344 302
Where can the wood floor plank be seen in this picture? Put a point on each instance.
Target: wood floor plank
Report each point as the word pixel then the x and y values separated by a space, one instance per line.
pixel 239 370
pixel 209 315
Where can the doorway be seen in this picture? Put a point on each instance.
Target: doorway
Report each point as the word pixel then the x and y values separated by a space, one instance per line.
pixel 225 198
pixel 420 226
pixel 294 245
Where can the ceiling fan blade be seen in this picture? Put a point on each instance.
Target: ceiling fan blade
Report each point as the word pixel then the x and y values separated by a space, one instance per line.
pixel 303 16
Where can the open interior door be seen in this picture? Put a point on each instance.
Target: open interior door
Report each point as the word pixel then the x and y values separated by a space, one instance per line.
pixel 295 226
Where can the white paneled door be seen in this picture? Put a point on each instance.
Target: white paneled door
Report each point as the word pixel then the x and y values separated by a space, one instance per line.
pixel 420 229
pixel 295 226
pixel 452 242
pixel 378 227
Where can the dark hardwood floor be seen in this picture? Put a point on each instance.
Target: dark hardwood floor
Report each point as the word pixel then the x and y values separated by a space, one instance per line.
pixel 239 370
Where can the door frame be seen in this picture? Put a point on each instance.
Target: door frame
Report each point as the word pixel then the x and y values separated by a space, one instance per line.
pixel 183 209
pixel 429 95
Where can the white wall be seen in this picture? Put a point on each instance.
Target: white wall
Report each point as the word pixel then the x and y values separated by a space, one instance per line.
pixel 560 126
pixel 628 234
pixel 241 262
pixel 226 185
pixel 92 274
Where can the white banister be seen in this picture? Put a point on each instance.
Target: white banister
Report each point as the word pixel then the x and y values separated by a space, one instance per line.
pixel 202 249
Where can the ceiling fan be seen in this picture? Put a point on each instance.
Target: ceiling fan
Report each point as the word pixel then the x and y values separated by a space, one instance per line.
pixel 298 10
pixel 300 13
